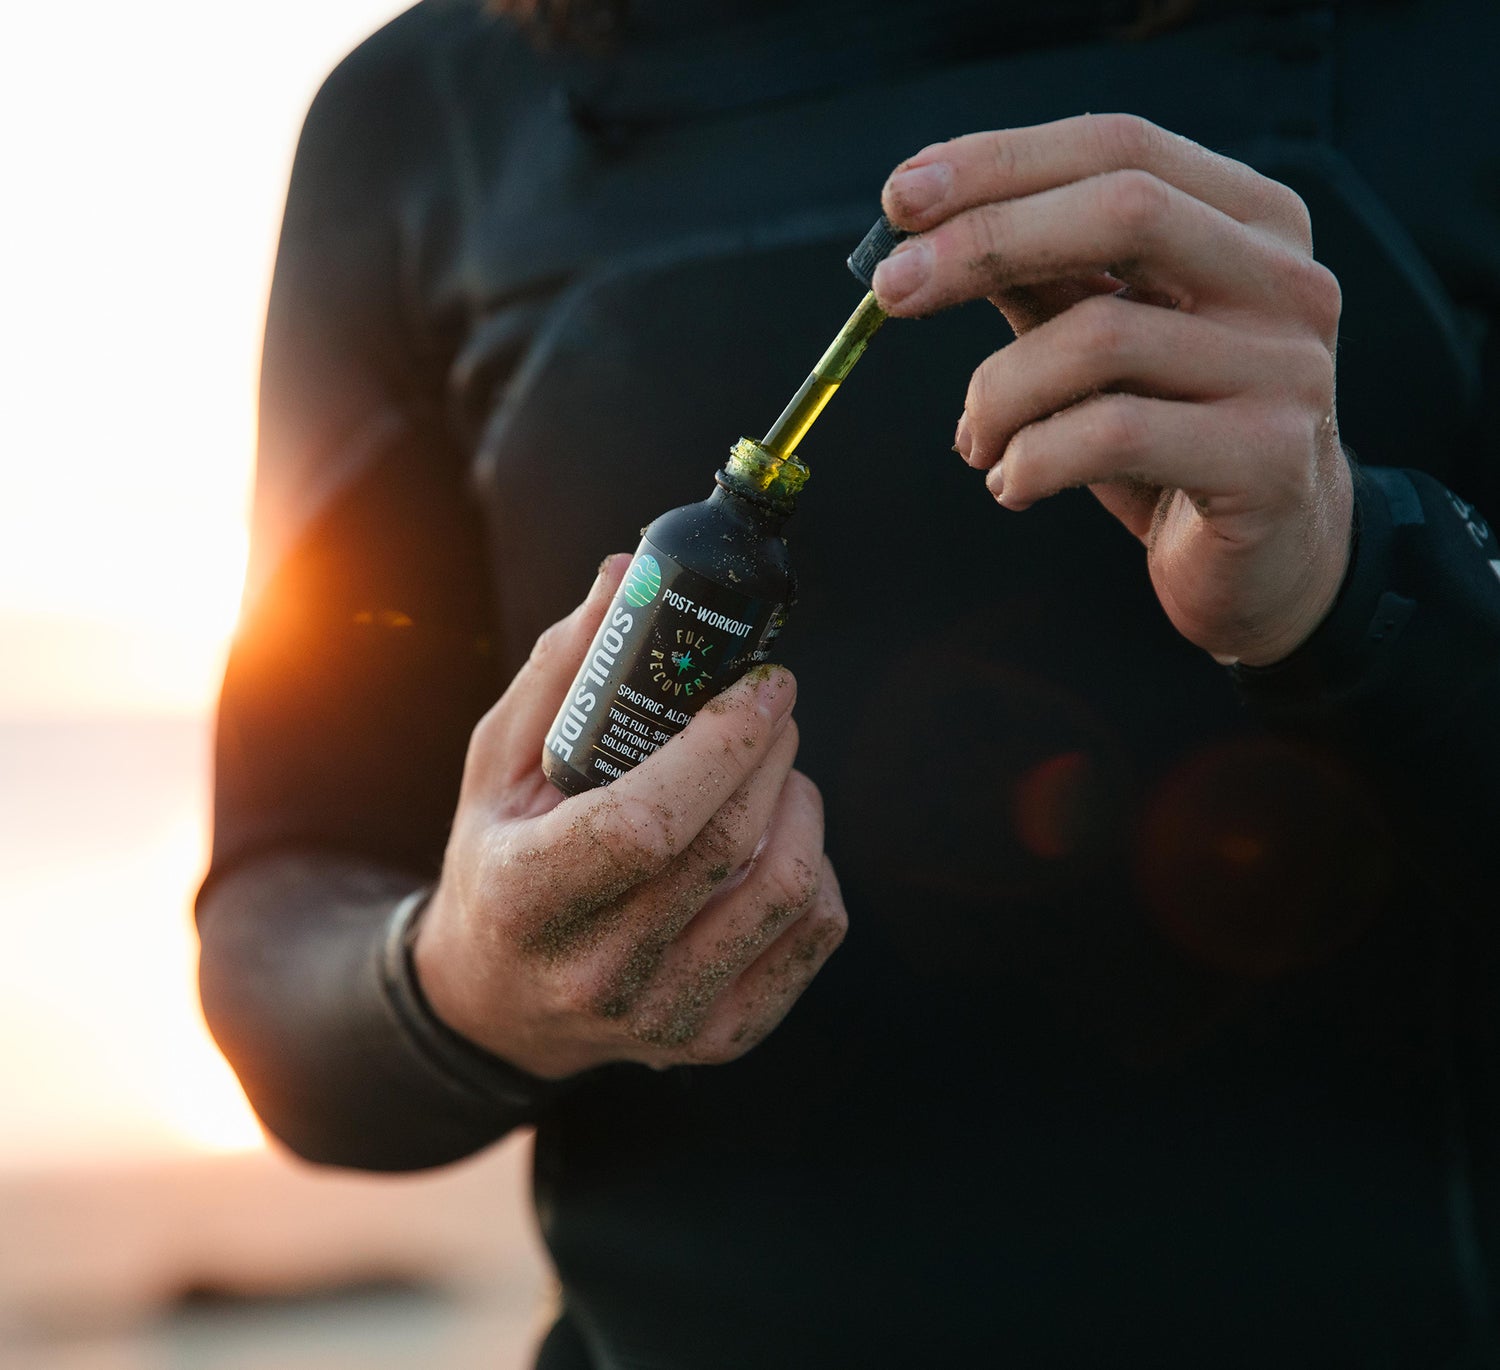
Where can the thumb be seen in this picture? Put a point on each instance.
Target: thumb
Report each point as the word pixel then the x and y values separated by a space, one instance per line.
pixel 507 744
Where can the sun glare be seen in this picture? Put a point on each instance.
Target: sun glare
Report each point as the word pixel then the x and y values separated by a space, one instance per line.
pixel 128 366
pixel 139 565
pixel 148 148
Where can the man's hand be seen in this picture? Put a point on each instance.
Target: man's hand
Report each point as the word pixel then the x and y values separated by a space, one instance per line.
pixel 674 916
pixel 1174 353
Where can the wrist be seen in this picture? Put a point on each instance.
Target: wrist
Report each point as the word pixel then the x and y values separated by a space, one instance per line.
pixel 459 1059
pixel 1324 572
pixel 433 960
pixel 480 1011
pixel 1347 650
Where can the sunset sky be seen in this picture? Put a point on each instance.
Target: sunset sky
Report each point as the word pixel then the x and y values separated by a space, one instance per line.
pixel 147 148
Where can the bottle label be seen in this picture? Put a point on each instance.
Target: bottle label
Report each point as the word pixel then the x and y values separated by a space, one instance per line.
pixel 670 641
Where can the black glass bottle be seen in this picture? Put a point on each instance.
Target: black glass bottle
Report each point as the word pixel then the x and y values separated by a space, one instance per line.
pixel 706 595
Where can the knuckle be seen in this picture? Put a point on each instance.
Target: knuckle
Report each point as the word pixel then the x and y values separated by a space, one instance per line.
pixel 1292 211
pixel 1292 436
pixel 1003 161
pixel 717 1049
pixel 819 937
pixel 983 247
pixel 1311 290
pixel 737 745
pixel 483 732
pixel 831 906
pixel 635 833
pixel 1101 328
pixel 830 913
pixel 718 845
pixel 1325 300
pixel 836 927
pixel 1313 370
pixel 1127 140
pixel 788 885
pixel 1119 427
pixel 550 643
pixel 801 787
pixel 1287 452
pixel 1134 200
pixel 979 237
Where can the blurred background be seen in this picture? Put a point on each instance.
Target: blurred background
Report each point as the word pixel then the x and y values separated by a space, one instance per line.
pixel 144 1222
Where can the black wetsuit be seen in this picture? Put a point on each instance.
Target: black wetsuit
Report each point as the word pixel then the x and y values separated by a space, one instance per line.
pixel 1165 1032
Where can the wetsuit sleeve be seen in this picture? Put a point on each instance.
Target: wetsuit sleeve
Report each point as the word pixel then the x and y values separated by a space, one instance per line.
pixel 1403 677
pixel 362 662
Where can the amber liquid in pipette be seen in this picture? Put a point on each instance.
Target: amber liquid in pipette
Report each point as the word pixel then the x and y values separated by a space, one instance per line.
pixel 836 363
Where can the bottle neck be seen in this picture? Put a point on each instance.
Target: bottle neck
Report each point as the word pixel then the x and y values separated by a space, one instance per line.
pixel 756 473
pixel 767 513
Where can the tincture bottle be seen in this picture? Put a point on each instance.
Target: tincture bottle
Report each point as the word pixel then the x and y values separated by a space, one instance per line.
pixel 706 594
pixel 709 587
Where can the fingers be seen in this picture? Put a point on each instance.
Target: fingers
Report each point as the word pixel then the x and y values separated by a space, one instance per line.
pixel 613 838
pixel 1129 224
pixel 717 987
pixel 1029 306
pixel 766 991
pixel 733 929
pixel 1108 343
pixel 1004 164
pixel 1133 503
pixel 508 740
pixel 626 949
pixel 1238 464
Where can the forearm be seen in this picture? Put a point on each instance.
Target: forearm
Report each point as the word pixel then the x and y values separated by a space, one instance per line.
pixel 297 983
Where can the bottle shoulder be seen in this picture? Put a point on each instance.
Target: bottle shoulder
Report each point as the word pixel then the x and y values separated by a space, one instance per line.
pixel 725 540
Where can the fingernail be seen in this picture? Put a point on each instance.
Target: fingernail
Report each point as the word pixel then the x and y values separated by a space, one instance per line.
pixel 904 272
pixel 917 189
pixel 963 440
pixel 775 692
pixel 996 481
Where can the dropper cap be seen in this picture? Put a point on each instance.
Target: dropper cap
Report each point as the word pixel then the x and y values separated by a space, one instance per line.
pixel 874 248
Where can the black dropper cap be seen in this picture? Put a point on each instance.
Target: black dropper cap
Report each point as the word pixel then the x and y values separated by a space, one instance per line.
pixel 873 249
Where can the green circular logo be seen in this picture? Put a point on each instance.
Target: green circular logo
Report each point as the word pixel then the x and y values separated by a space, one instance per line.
pixel 642 581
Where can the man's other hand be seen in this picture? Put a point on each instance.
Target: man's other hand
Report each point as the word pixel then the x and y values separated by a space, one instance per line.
pixel 1175 353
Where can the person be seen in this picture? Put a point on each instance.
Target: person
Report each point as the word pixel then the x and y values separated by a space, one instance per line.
pixel 1159 815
